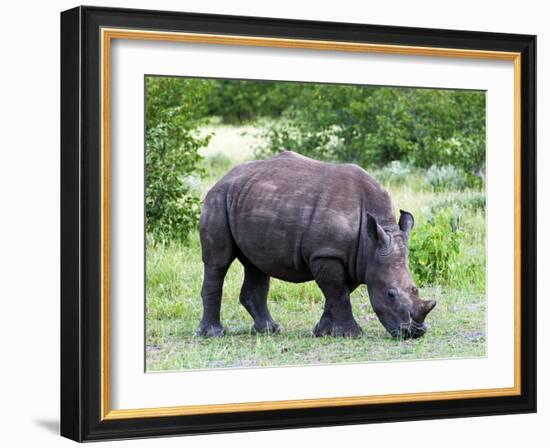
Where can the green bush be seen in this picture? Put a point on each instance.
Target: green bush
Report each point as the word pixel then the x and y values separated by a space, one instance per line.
pixel 396 173
pixel 367 125
pixel 284 134
pixel 472 202
pixel 447 177
pixel 241 101
pixel 217 163
pixel 172 141
pixel 371 125
pixel 434 248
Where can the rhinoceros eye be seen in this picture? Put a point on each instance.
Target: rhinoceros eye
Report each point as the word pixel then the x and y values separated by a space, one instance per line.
pixel 392 293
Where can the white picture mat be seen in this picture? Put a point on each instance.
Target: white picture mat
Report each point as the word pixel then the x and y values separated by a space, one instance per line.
pixel 131 387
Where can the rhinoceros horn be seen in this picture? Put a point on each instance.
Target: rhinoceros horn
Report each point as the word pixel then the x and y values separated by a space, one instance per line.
pixel 377 233
pixel 425 307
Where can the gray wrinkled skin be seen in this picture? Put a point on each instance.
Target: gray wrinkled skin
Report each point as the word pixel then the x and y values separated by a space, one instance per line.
pixel 297 219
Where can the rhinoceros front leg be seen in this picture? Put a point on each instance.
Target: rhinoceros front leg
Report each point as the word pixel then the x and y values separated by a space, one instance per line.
pixel 254 298
pixel 337 318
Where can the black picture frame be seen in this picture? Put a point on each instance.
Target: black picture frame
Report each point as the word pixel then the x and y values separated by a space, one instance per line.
pixel 81 224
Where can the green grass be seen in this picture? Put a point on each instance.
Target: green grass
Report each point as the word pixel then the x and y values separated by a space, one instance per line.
pixel 174 307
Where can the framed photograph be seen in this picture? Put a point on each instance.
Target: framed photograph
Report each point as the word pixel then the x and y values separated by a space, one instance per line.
pixel 272 223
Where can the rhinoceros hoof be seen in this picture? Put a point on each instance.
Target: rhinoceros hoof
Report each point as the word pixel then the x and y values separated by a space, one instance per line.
pixel 210 331
pixel 326 327
pixel 352 330
pixel 269 327
pixel 323 328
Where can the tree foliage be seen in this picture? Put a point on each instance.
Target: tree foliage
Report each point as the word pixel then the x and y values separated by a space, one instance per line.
pixel 373 126
pixel 241 101
pixel 173 110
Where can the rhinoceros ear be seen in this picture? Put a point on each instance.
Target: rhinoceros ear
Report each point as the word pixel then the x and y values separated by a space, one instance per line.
pixel 376 232
pixel 406 222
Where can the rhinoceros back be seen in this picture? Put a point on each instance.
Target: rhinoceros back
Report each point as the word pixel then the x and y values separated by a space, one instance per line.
pixel 283 212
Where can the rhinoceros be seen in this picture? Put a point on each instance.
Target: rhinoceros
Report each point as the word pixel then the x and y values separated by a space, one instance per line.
pixel 298 219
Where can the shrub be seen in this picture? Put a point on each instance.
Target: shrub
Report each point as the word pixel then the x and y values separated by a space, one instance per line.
pixel 434 248
pixel 465 202
pixel 218 162
pixel 447 177
pixel 242 101
pixel 372 125
pixel 367 125
pixel 283 135
pixel 172 144
pixel 395 173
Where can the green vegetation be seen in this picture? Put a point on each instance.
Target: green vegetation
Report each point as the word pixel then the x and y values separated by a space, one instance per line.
pixel 174 275
pixel 368 125
pixel 373 126
pixel 425 146
pixel 171 159
pixel 457 324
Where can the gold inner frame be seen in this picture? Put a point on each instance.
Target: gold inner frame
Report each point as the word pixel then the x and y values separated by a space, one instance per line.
pixel 107 35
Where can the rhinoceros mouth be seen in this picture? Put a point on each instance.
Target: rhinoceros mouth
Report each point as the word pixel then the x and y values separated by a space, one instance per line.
pixel 410 329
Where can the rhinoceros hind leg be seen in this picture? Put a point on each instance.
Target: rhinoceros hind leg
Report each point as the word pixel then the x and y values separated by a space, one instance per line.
pixel 337 318
pixel 211 293
pixel 254 298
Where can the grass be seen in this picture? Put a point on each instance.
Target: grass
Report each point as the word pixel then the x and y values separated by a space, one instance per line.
pixel 174 309
pixel 235 143
pixel 174 276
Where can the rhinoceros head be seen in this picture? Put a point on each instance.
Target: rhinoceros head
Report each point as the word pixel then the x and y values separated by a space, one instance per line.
pixel 393 294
